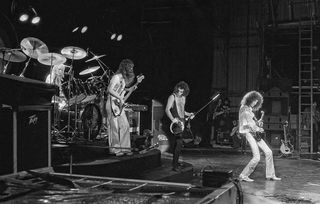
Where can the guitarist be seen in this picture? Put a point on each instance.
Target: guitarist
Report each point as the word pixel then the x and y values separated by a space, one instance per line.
pixel 118 125
pixel 252 101
pixel 175 110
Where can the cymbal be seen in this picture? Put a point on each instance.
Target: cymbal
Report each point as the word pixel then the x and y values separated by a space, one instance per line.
pixel 72 52
pixel 95 57
pixel 33 47
pixel 51 59
pixel 13 56
pixel 89 70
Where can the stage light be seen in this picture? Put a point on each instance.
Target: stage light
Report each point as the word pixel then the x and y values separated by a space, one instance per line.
pixel 84 29
pixel 75 29
pixel 23 17
pixel 119 37
pixel 36 18
pixel 113 36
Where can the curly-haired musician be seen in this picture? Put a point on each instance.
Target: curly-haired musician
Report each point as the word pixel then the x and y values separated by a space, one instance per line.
pixel 250 127
pixel 117 122
pixel 175 110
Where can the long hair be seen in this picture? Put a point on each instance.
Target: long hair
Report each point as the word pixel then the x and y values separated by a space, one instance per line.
pixel 126 69
pixel 182 85
pixel 249 97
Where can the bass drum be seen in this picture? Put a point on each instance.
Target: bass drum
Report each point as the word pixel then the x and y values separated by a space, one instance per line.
pixel 91 121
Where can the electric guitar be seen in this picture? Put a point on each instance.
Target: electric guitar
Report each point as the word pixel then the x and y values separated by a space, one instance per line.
pixel 258 135
pixel 116 104
pixel 286 146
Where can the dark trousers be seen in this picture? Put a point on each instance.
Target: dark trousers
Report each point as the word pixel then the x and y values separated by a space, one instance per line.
pixel 177 146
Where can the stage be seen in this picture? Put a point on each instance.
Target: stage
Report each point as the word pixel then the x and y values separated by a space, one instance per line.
pixel 300 177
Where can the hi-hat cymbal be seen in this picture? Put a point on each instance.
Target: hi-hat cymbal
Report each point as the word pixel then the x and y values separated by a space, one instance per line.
pixel 13 56
pixel 95 57
pixel 33 47
pixel 51 59
pixel 75 53
pixel 89 70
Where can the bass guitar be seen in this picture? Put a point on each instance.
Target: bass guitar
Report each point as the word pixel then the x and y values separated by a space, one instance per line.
pixel 116 105
pixel 185 126
pixel 286 146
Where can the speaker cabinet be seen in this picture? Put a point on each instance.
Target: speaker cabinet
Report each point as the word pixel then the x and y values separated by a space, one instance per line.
pixel 25 132
pixel 6 144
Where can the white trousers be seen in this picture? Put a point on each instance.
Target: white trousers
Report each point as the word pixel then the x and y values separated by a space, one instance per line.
pixel 118 131
pixel 256 157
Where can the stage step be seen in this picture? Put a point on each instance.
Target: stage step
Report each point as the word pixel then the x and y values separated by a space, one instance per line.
pixel 112 166
pixel 165 173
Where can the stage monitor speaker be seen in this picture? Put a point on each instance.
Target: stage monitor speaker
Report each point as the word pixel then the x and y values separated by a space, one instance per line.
pixel 215 177
pixel 25 136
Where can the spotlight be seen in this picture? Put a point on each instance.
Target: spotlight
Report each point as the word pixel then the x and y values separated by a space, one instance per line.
pixel 113 36
pixel 36 18
pixel 119 37
pixel 75 29
pixel 84 29
pixel 23 17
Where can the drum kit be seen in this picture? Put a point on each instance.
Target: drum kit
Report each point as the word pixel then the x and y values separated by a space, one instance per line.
pixel 81 97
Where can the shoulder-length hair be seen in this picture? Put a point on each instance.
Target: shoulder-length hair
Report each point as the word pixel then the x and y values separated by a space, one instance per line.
pixel 126 69
pixel 182 85
pixel 249 97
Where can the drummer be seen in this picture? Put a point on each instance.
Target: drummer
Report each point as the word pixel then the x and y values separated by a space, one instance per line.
pixel 56 78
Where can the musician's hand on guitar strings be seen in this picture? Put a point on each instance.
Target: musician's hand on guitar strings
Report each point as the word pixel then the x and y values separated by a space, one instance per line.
pixel 191 116
pixel 175 120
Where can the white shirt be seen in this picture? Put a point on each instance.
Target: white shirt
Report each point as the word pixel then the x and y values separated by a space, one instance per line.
pixel 246 121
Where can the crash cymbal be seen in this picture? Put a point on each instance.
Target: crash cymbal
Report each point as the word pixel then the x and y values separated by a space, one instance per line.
pixel 89 70
pixel 95 57
pixel 51 59
pixel 33 47
pixel 13 56
pixel 75 53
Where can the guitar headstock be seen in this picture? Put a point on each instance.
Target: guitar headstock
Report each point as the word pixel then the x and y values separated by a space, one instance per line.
pixel 140 77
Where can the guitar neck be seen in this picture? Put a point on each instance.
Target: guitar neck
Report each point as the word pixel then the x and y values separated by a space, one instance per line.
pixel 284 133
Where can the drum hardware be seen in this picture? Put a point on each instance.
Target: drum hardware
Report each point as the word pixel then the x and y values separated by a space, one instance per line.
pixel 11 55
pixel 106 70
pixel 95 57
pixel 73 53
pixel 32 47
pixel 89 70
pixel 51 59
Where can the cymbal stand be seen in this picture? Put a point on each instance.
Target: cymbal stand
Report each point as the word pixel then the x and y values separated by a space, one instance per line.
pixel 25 68
pixel 106 70
pixel 75 131
pixel 6 62
pixel 70 79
